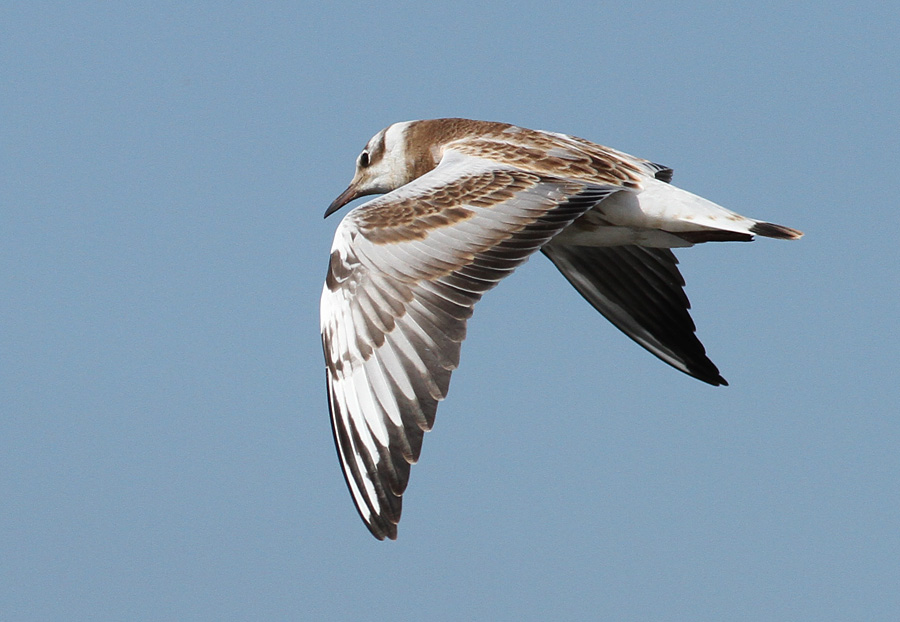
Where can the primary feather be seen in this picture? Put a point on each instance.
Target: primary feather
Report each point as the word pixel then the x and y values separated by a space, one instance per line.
pixel 465 203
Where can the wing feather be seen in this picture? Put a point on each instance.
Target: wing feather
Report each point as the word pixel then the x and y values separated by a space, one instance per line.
pixel 397 296
pixel 640 291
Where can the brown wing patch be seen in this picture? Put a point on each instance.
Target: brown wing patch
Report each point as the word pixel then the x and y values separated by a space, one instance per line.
pixel 542 153
pixel 338 271
pixel 539 153
pixel 386 222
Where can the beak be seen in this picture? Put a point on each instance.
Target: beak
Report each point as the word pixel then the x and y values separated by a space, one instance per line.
pixel 345 197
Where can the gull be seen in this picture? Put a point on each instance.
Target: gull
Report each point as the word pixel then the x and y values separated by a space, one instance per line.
pixel 463 204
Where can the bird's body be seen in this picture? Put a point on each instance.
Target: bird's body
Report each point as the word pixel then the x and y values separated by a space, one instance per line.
pixel 465 202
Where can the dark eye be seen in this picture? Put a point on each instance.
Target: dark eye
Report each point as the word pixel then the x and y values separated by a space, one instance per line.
pixel 364 159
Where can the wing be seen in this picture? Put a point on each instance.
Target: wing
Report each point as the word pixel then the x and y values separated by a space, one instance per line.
pixel 641 291
pixel 406 270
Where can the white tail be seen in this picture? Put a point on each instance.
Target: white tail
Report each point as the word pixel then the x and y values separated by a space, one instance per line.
pixel 669 208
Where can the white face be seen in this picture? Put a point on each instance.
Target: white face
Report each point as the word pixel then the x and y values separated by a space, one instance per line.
pixel 381 167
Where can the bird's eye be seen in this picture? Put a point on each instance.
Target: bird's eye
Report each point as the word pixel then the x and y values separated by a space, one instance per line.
pixel 364 159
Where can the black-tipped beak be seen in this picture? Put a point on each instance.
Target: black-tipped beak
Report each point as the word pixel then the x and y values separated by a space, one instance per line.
pixel 345 197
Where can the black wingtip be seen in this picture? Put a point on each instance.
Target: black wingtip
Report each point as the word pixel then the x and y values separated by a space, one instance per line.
pixel 771 230
pixel 705 371
pixel 664 174
pixel 382 529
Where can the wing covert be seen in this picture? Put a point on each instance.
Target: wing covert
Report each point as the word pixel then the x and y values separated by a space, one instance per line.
pixel 405 272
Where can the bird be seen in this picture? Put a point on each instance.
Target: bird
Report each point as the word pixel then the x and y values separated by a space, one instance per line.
pixel 463 203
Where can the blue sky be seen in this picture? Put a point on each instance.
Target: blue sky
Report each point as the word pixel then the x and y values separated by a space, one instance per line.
pixel 165 449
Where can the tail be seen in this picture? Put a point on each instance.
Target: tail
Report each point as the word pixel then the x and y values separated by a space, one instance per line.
pixel 668 208
pixel 771 230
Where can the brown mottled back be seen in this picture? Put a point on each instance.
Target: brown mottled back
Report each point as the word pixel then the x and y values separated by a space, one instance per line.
pixel 547 155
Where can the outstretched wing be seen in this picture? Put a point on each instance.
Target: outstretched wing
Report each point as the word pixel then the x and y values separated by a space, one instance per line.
pixel 641 291
pixel 406 270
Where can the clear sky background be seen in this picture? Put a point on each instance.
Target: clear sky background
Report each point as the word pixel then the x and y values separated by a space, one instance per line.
pixel 165 447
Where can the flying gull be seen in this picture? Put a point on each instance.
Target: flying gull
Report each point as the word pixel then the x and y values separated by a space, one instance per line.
pixel 464 203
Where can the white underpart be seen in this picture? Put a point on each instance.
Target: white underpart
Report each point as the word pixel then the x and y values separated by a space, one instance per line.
pixel 669 208
pixel 615 235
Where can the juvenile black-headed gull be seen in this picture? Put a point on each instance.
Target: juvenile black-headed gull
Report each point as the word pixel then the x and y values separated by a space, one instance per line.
pixel 464 203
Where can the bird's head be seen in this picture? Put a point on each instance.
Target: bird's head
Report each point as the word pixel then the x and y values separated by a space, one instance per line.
pixel 387 162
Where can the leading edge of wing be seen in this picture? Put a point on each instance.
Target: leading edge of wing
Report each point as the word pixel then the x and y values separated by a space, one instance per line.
pixel 406 270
